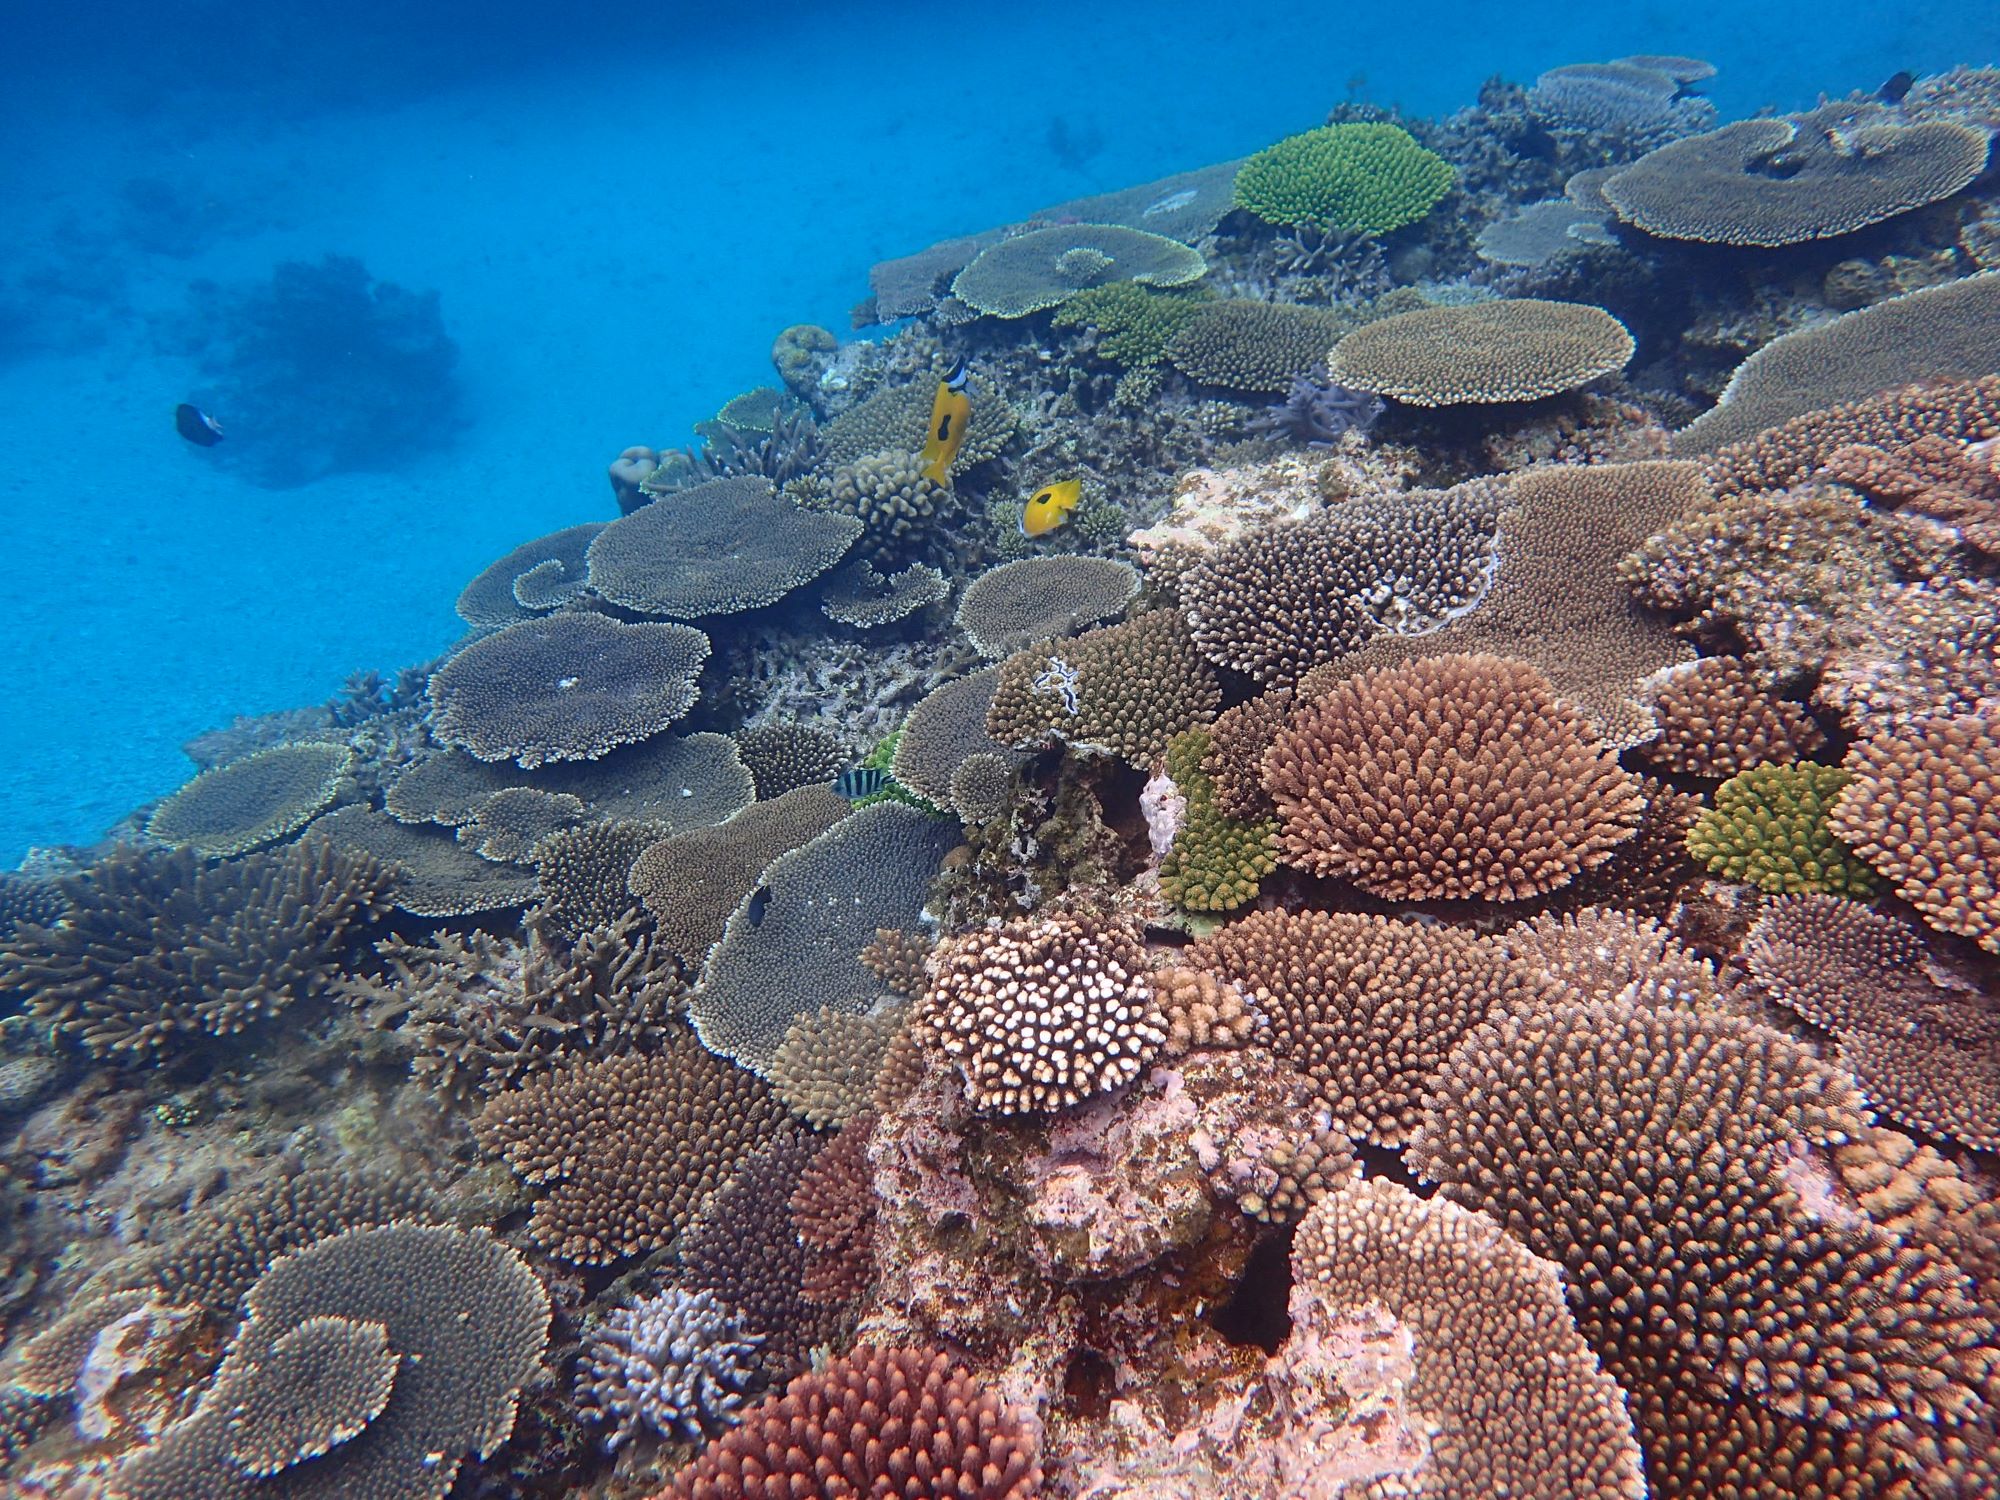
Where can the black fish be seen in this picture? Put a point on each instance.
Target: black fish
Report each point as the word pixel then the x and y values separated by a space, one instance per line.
pixel 197 426
pixel 1893 91
pixel 857 782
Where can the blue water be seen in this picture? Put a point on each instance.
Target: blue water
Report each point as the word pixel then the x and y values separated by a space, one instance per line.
pixel 619 207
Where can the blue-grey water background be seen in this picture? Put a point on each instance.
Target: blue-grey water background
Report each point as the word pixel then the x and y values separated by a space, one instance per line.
pixel 618 206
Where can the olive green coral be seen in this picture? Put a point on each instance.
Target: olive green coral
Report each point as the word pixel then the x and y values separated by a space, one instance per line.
pixel 1768 828
pixel 1216 861
pixel 1359 176
pixel 1133 323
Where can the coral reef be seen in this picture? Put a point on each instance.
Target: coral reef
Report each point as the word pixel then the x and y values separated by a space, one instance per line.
pixel 1515 349
pixel 1008 608
pixel 675 1362
pixel 257 800
pixel 1715 720
pixel 1044 267
pixel 1216 861
pixel 532 579
pixel 1126 689
pixel 1363 176
pixel 1770 828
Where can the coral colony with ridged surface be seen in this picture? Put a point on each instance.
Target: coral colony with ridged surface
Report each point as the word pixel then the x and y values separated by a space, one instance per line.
pixel 1329 827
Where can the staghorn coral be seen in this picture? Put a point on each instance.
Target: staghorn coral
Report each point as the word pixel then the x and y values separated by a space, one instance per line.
pixel 690 883
pixel 548 570
pixel 431 874
pixel 716 548
pixel 1923 810
pixel 1361 176
pixel 1216 861
pixel 860 596
pixel 834 1211
pixel 825 1067
pixel 677 1363
pixel 1043 267
pixel 1509 1397
pixel 1926 1055
pixel 161 950
pixel 743 1246
pixel 1949 331
pixel 873 1422
pixel 1365 1008
pixel 1664 1160
pixel 584 874
pixel 568 687
pixel 1039 1015
pixel 27 901
pixel 1126 689
pixel 892 498
pixel 794 944
pixel 1246 345
pixel 1782 182
pixel 1769 828
pixel 483 1013
pixel 1797 449
pixel 253 801
pixel 462 1314
pixel 1318 413
pixel 1042 598
pixel 1447 778
pixel 1512 349
pixel 782 756
pixel 1279 601
pixel 217 1253
pixel 1715 720
pixel 622 1150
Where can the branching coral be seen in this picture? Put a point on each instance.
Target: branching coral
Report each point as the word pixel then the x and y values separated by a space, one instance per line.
pixel 1715 720
pixel 1769 828
pixel 1216 861
pixel 1451 777
pixel 161 950
pixel 675 1363
pixel 1365 176
pixel 1125 688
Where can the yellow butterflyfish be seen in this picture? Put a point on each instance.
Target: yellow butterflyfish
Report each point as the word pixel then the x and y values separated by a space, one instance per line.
pixel 1050 506
pixel 951 409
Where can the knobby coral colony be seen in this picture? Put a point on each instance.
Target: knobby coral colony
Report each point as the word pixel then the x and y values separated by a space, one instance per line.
pixel 1435 938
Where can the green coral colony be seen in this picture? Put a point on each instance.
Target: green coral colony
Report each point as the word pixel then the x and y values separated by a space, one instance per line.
pixel 1230 858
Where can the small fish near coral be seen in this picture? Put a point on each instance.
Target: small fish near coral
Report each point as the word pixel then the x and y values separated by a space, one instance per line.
pixel 951 410
pixel 1050 506
pixel 857 782
pixel 197 426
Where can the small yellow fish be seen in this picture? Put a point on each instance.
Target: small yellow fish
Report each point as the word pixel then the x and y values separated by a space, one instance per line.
pixel 1050 506
pixel 951 409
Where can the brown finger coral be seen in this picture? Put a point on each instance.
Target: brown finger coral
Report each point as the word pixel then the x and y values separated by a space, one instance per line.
pixel 1365 1008
pixel 1924 810
pixel 622 1150
pixel 1715 720
pixel 1039 1015
pixel 1510 1398
pixel 876 1422
pixel 1448 778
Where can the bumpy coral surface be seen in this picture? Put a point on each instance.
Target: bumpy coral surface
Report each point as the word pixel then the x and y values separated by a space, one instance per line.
pixel 253 801
pixel 1769 828
pixel 1126 688
pixel 675 1363
pixel 1216 861
pixel 1516 349
pixel 1039 1015
pixel 1448 778
pixel 1715 720
pixel 1349 176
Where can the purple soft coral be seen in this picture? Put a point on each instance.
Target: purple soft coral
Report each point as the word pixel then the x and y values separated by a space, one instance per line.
pixel 1318 413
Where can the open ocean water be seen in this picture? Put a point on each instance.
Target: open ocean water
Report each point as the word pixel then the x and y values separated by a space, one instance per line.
pixel 618 208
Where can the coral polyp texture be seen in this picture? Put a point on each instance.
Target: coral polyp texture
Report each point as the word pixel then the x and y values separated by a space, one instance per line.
pixel 1715 720
pixel 1920 808
pixel 1216 861
pixel 1041 1015
pixel 1359 176
pixel 675 1364
pixel 1515 349
pixel 1041 598
pixel 1449 778
pixel 1126 689
pixel 1043 267
pixel 253 801
pixel 874 1422
pixel 569 687
pixel 534 578
pixel 1482 1347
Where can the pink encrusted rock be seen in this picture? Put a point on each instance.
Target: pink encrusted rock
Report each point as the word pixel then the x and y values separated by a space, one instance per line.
pixel 1163 807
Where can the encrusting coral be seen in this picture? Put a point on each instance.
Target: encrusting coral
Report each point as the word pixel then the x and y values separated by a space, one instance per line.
pixel 1453 777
